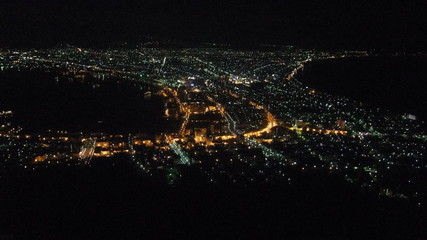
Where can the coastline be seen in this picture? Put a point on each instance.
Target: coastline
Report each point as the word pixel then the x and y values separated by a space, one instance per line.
pixel 377 85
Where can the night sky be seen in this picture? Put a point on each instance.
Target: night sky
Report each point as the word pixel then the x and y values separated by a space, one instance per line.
pixel 396 24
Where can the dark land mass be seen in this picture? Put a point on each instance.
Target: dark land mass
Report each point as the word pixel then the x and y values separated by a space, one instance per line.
pixel 110 200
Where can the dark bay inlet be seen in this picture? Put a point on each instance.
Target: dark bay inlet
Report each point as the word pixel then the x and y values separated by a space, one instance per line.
pixel 50 100
pixel 394 83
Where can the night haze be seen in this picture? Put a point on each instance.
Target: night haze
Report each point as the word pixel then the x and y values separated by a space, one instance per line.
pixel 329 24
pixel 188 119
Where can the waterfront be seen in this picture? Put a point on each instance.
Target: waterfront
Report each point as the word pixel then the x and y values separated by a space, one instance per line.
pixel 45 101
pixel 394 83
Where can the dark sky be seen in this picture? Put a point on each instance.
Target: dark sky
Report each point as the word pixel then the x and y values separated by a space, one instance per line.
pixel 306 23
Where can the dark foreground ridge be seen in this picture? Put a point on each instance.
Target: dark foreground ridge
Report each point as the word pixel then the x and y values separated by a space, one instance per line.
pixel 106 202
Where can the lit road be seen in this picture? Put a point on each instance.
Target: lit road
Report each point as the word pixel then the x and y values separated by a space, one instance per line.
pixel 249 140
pixel 232 124
pixel 184 124
pixel 182 108
pixel 271 123
pixel 87 151
pixel 295 70
pixel 185 159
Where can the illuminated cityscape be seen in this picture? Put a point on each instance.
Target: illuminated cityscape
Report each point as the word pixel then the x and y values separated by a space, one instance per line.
pixel 238 117
pixel 230 106
pixel 212 120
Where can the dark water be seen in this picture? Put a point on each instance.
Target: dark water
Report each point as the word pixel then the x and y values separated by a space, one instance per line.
pixel 43 101
pixel 394 83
